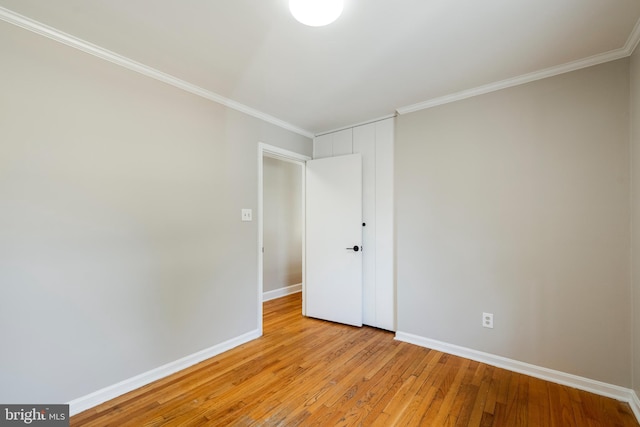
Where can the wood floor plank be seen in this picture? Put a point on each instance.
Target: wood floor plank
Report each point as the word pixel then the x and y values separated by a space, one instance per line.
pixel 479 404
pixel 538 414
pixel 449 393
pixel 308 372
pixel 417 394
pixel 373 391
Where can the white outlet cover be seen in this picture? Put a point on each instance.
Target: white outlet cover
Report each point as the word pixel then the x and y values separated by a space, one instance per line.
pixel 247 215
pixel 487 320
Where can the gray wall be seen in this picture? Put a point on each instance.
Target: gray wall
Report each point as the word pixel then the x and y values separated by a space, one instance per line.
pixel 635 218
pixel 121 245
pixel 517 203
pixel 282 216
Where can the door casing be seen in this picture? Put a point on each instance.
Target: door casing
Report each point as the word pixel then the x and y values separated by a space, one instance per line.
pixel 266 150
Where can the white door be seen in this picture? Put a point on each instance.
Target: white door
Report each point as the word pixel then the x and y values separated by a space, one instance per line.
pixel 334 239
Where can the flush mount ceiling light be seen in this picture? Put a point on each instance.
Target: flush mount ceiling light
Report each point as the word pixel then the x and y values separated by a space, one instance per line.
pixel 316 13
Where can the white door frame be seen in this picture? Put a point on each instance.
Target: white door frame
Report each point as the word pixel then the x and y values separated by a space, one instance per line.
pixel 266 150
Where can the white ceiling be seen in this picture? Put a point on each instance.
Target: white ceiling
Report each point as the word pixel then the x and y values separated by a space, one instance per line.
pixel 380 56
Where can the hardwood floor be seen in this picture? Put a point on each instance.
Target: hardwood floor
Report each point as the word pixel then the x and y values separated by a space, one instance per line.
pixel 313 373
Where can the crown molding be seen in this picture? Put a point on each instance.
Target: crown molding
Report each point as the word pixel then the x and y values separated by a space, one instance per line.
pixel 625 51
pixel 379 119
pixel 634 38
pixel 95 50
pixel 515 81
pixel 102 53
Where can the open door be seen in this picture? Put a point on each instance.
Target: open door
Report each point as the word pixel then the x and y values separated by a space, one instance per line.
pixel 334 239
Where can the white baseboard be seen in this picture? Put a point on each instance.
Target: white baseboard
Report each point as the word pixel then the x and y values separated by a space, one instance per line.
pixel 582 383
pixel 89 401
pixel 634 402
pixel 277 293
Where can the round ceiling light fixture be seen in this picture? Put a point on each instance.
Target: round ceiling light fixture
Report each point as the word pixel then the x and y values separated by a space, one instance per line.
pixel 316 13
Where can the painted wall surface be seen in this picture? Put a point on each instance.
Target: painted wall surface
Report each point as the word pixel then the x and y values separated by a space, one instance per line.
pixel 282 224
pixel 635 218
pixel 517 203
pixel 121 244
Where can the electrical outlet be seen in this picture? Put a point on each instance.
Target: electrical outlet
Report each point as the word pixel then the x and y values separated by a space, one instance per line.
pixel 246 214
pixel 487 320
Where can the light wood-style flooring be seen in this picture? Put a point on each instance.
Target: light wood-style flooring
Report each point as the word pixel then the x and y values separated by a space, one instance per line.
pixel 307 372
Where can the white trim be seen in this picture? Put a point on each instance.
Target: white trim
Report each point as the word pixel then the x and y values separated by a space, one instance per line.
pixel 260 232
pixel 634 38
pixel 95 50
pixel 634 403
pixel 89 401
pixel 625 51
pixel 516 81
pixel 379 119
pixel 581 383
pixel 281 292
pixel 102 53
pixel 266 150
pixel 282 154
pixel 630 46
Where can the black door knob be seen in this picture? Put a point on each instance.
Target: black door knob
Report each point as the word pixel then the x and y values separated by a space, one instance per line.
pixel 355 248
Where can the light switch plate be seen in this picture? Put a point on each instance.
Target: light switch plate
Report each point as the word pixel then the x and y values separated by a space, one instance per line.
pixel 246 215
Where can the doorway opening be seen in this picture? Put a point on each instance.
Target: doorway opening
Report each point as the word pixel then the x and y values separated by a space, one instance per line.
pixel 278 259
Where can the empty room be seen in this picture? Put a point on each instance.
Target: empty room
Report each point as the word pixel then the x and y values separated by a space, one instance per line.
pixel 306 212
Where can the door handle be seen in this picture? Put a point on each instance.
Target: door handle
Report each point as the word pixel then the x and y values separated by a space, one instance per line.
pixel 355 248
